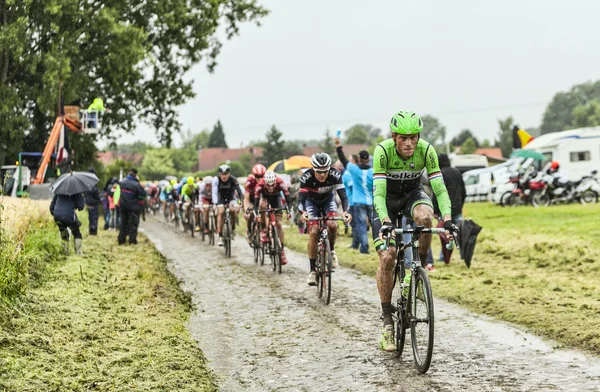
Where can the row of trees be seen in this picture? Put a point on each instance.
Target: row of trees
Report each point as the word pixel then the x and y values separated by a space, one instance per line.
pixel 134 54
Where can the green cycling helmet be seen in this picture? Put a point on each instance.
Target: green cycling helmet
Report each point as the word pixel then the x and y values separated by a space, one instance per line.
pixel 406 123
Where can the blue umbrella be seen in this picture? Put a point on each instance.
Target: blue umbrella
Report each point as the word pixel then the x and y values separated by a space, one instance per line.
pixel 73 183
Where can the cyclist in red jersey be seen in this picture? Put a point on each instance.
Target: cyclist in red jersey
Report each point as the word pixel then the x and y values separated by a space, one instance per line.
pixel 258 171
pixel 268 191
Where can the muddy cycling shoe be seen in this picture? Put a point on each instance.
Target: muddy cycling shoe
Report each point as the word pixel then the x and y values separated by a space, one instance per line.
pixel 334 260
pixel 220 241
pixel 430 268
pixel 387 341
pixel 312 278
pixel 197 228
pixel 283 258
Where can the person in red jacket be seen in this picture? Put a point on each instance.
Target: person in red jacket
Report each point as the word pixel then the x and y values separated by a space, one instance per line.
pixel 268 191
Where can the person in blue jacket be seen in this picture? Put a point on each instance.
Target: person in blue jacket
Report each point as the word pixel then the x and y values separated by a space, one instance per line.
pixel 362 192
pixel 62 209
pixel 347 180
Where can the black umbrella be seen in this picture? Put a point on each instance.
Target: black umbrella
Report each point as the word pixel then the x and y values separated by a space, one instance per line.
pixel 73 183
pixel 467 237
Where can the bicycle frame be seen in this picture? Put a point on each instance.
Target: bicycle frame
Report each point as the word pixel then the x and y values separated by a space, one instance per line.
pixel 405 306
pixel 323 267
pixel 274 247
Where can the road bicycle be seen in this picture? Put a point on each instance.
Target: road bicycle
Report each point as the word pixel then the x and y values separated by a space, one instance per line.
pixel 212 226
pixel 324 262
pixel 412 304
pixel 273 245
pixel 255 244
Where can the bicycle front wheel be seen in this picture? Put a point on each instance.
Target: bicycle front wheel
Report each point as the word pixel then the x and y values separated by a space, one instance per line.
pixel 192 224
pixel 324 273
pixel 421 319
pixel 275 250
pixel 400 303
pixel 227 238
pixel 211 230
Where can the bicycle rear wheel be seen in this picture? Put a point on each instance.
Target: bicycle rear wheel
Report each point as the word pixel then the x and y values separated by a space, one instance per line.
pixel 421 319
pixel 400 303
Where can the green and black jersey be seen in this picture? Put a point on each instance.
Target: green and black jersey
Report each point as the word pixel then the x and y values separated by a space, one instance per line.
pixel 394 177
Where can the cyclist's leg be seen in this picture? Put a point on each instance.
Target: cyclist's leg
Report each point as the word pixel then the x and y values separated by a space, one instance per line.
pixel 314 211
pixel 233 210
pixel 220 213
pixel 206 204
pixel 262 205
pixel 385 273
pixel 420 209
pixel 330 209
pixel 275 202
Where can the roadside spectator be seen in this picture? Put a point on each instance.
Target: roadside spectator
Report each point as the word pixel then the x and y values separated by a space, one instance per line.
pixel 112 207
pixel 106 202
pixel 347 180
pixel 92 200
pixel 362 193
pixel 456 190
pixel 62 209
pixel 131 202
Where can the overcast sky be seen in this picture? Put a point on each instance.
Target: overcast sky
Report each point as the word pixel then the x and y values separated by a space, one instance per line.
pixel 317 64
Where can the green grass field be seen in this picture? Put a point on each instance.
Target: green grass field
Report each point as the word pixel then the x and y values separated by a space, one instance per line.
pixel 111 320
pixel 539 268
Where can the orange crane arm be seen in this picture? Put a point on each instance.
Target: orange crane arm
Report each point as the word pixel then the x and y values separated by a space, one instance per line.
pixel 58 124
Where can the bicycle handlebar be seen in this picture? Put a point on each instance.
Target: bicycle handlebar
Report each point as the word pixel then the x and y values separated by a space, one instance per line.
pixel 273 209
pixel 433 230
pixel 327 218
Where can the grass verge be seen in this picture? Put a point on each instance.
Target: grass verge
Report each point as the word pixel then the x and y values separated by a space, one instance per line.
pixel 537 267
pixel 111 320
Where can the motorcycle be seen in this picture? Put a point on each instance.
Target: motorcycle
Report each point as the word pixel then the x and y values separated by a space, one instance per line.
pixel 526 189
pixel 585 191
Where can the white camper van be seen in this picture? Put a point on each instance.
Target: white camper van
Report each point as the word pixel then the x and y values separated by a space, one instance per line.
pixel 481 183
pixel 577 150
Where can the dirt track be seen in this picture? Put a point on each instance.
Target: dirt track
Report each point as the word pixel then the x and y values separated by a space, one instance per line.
pixel 268 332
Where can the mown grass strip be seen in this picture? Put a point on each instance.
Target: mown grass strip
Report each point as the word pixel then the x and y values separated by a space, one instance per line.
pixel 111 320
pixel 537 267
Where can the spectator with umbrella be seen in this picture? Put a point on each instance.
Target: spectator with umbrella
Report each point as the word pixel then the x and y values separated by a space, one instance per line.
pixel 131 202
pixel 68 192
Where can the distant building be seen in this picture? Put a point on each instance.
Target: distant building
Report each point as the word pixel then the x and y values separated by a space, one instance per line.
pixel 493 154
pixel 209 158
pixel 109 157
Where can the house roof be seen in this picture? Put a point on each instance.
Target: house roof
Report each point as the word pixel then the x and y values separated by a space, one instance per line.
pixel 493 152
pixel 109 157
pixel 209 158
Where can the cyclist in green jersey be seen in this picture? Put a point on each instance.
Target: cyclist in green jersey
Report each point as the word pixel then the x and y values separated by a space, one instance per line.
pixel 397 167
pixel 189 194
